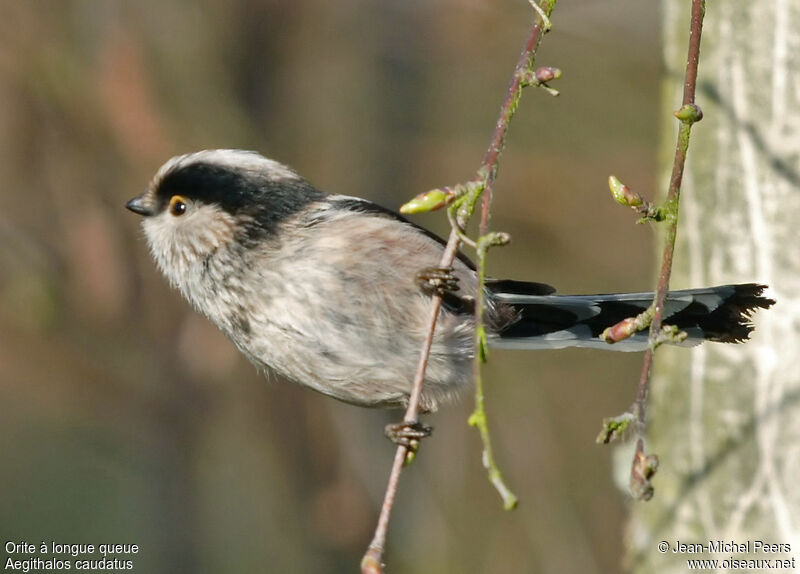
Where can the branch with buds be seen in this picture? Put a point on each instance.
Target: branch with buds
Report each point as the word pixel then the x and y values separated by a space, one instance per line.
pixel 461 201
pixel 644 466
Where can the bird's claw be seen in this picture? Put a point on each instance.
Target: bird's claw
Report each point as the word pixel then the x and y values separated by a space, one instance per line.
pixel 437 281
pixel 407 434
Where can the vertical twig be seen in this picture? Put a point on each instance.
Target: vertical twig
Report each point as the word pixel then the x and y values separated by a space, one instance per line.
pixel 478 417
pixel 688 114
pixel 371 563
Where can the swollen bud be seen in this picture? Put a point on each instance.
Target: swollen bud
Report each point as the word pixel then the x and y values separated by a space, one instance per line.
pixel 620 331
pixel 539 78
pixel 628 327
pixel 623 194
pixel 689 114
pixel 429 201
pixel 643 469
pixel 547 74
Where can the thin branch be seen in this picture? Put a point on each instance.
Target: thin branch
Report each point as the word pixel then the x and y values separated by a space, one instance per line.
pixel 478 417
pixel 371 563
pixel 688 114
pixel 524 75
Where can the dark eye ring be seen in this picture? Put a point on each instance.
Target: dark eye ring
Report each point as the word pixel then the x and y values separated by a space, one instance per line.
pixel 177 205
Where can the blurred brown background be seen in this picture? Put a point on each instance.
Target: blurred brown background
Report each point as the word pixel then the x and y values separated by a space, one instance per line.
pixel 127 418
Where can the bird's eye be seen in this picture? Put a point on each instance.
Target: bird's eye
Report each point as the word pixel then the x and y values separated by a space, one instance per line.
pixel 177 205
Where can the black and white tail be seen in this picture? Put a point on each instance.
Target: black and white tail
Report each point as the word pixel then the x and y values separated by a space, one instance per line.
pixel 557 321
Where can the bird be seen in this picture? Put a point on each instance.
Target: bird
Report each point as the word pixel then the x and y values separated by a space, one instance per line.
pixel 333 292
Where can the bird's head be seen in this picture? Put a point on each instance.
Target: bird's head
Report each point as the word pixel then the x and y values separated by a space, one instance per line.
pixel 202 202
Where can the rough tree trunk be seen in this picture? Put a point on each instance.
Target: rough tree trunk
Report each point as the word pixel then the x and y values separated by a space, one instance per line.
pixel 725 419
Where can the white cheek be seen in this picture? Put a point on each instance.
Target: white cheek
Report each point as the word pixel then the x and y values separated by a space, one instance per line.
pixel 180 244
pixel 164 245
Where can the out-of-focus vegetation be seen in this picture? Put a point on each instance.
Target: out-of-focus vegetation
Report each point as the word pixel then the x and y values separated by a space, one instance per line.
pixel 127 418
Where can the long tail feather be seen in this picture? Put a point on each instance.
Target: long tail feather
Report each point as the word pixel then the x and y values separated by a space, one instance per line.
pixel 556 321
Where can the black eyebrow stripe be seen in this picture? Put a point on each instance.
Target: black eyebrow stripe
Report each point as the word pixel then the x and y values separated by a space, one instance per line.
pixel 267 201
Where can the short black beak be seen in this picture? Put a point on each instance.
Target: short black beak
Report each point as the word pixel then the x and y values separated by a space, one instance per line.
pixel 137 205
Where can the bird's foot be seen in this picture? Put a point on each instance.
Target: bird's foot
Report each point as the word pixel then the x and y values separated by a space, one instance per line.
pixel 407 433
pixel 437 281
